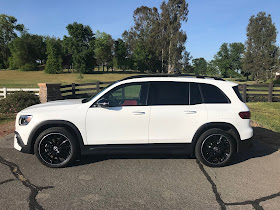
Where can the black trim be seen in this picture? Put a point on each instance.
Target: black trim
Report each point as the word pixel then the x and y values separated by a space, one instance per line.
pixel 168 148
pixel 24 148
pixel 245 144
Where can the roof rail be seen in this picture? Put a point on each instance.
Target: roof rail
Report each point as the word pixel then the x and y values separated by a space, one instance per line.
pixel 172 75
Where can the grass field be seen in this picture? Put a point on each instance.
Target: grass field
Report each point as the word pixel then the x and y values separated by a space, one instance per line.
pixel 267 114
pixel 30 79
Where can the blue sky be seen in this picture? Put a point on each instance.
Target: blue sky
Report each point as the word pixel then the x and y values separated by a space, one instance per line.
pixel 210 23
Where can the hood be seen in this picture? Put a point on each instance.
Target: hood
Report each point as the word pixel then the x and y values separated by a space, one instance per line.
pixel 59 105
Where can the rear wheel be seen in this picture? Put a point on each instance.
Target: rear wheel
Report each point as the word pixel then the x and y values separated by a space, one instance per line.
pixel 215 148
pixel 56 147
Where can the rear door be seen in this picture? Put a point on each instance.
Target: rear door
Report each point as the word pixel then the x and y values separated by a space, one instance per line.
pixel 173 118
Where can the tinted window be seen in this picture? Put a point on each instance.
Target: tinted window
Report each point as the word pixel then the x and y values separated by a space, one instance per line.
pixel 169 93
pixel 235 88
pixel 128 95
pixel 195 97
pixel 212 94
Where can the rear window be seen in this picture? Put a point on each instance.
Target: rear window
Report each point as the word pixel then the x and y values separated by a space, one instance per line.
pixel 235 88
pixel 212 94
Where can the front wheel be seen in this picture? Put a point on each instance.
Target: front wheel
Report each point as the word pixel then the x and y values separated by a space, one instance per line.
pixel 215 148
pixel 56 147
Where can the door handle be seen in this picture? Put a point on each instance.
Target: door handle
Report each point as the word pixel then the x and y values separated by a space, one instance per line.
pixel 138 113
pixel 190 112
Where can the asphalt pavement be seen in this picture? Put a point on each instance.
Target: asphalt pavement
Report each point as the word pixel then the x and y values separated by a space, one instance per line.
pixel 142 181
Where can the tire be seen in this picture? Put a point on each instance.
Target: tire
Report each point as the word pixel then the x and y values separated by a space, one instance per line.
pixel 215 148
pixel 56 147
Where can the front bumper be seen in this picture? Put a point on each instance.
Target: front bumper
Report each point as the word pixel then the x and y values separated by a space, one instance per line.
pixel 19 145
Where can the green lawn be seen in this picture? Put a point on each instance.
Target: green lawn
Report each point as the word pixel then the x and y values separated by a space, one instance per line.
pixel 266 114
pixel 26 79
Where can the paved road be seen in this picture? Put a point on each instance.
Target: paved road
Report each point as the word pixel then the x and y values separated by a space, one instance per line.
pixel 142 182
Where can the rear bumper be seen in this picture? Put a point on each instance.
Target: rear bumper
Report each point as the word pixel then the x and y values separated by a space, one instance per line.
pixel 245 145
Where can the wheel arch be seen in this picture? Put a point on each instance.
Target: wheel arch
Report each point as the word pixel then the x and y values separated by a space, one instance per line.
pixel 229 128
pixel 54 123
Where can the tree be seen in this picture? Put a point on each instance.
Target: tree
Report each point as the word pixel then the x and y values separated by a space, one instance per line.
pixel 121 54
pixel 27 51
pixel 261 53
pixel 80 43
pixel 8 29
pixel 185 62
pixel 173 14
pixel 228 59
pixel 199 66
pixel 104 48
pixel 143 39
pixel 54 52
pixel 212 69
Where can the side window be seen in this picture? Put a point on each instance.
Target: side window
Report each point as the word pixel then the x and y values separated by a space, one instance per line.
pixel 195 97
pixel 212 94
pixel 128 95
pixel 168 93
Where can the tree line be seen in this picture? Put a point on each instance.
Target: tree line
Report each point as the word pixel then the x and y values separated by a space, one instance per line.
pixel 155 43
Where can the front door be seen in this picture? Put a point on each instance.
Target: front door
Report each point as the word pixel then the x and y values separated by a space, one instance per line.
pixel 124 121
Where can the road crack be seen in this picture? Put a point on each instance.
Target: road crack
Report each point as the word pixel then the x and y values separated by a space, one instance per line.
pixel 34 190
pixel 255 203
pixel 6 181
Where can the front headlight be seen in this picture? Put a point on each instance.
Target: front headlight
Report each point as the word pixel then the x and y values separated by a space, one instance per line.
pixel 24 119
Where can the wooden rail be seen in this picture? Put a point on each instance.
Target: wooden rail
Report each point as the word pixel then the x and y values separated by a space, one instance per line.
pixel 82 90
pixel 263 92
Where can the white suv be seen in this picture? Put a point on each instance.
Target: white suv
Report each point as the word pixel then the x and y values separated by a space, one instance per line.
pixel 159 113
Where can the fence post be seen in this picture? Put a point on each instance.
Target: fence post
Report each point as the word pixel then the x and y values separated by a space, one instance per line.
pixel 244 94
pixel 97 86
pixel 5 92
pixel 270 89
pixel 73 89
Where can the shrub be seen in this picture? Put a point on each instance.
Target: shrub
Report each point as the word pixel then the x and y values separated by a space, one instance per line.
pixel 29 67
pixel 18 101
pixel 276 81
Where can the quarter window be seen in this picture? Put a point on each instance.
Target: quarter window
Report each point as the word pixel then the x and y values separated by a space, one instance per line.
pixel 212 94
pixel 168 93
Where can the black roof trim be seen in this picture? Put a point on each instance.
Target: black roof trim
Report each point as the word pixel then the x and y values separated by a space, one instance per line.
pixel 171 75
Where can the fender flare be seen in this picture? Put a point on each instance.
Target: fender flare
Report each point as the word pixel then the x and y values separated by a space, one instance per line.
pixel 222 125
pixel 47 124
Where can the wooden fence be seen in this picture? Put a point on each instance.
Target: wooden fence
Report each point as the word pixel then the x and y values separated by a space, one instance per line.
pixel 260 92
pixel 250 93
pixel 5 91
pixel 82 90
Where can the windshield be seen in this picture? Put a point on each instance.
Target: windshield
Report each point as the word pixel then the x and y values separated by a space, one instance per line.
pixel 90 98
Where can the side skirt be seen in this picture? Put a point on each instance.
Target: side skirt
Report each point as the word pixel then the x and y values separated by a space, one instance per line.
pixel 176 148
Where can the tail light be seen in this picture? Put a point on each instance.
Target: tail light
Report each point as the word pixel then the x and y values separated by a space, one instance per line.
pixel 245 115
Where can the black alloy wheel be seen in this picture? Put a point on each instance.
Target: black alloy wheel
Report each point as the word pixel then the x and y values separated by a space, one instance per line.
pixel 215 148
pixel 55 147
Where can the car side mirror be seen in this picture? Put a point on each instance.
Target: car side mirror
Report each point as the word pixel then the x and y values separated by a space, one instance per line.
pixel 103 102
